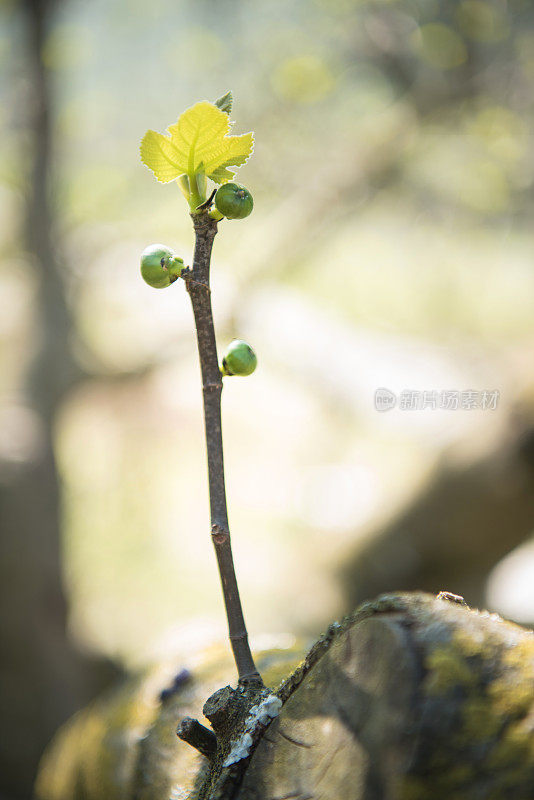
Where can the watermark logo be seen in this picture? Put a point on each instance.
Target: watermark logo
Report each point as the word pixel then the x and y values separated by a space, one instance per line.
pixel 446 400
pixel 385 399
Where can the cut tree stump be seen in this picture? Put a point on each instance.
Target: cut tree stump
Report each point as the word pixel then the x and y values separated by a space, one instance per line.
pixel 410 698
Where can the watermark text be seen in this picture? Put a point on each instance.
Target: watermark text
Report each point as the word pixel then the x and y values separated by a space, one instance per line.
pixel 432 399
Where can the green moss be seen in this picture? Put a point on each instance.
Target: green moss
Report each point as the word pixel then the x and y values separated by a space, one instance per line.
pixel 276 664
pixel 512 692
pixel 512 697
pixel 447 669
pixel 430 789
pixel 484 678
pixel 470 644
pixel 460 775
pixel 520 655
pixel 413 789
pixel 514 748
pixel 480 722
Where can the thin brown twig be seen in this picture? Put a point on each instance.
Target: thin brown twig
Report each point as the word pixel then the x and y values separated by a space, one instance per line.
pixel 198 285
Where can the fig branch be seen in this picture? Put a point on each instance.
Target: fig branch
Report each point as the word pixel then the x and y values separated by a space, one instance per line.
pixel 198 285
pixel 199 146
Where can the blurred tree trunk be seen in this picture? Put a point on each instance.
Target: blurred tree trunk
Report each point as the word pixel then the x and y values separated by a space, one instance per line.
pixel 44 679
pixel 456 530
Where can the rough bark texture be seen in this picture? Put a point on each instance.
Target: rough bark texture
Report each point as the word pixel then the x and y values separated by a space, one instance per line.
pixel 124 745
pixel 417 698
pixel 409 698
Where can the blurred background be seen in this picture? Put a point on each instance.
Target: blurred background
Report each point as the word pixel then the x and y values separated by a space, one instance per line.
pixel 391 247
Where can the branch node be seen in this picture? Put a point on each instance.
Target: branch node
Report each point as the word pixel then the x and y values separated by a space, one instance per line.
pixel 219 534
pixel 207 204
pixel 198 736
pixel 236 636
pixel 221 707
pixel 251 680
pixel 204 224
pixel 190 281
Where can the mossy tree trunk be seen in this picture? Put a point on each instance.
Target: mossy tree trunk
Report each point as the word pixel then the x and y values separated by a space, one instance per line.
pixel 409 698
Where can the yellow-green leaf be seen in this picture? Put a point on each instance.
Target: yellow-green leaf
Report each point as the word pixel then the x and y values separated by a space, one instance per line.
pixel 199 141
pixel 221 175
pixel 162 157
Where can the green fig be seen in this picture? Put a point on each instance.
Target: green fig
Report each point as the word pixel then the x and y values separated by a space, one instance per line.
pixel 233 201
pixel 239 359
pixel 160 266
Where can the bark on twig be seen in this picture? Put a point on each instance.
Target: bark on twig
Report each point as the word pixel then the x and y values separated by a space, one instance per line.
pixel 198 736
pixel 198 286
pixel 220 707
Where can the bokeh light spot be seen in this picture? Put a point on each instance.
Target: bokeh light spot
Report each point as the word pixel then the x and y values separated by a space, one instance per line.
pixel 439 45
pixel 67 47
pixel 482 22
pixel 303 79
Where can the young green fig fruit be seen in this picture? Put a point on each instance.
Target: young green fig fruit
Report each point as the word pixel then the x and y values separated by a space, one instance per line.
pixel 233 201
pixel 160 266
pixel 239 359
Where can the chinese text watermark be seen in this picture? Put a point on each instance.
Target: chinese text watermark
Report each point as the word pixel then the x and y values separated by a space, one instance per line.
pixel 447 400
